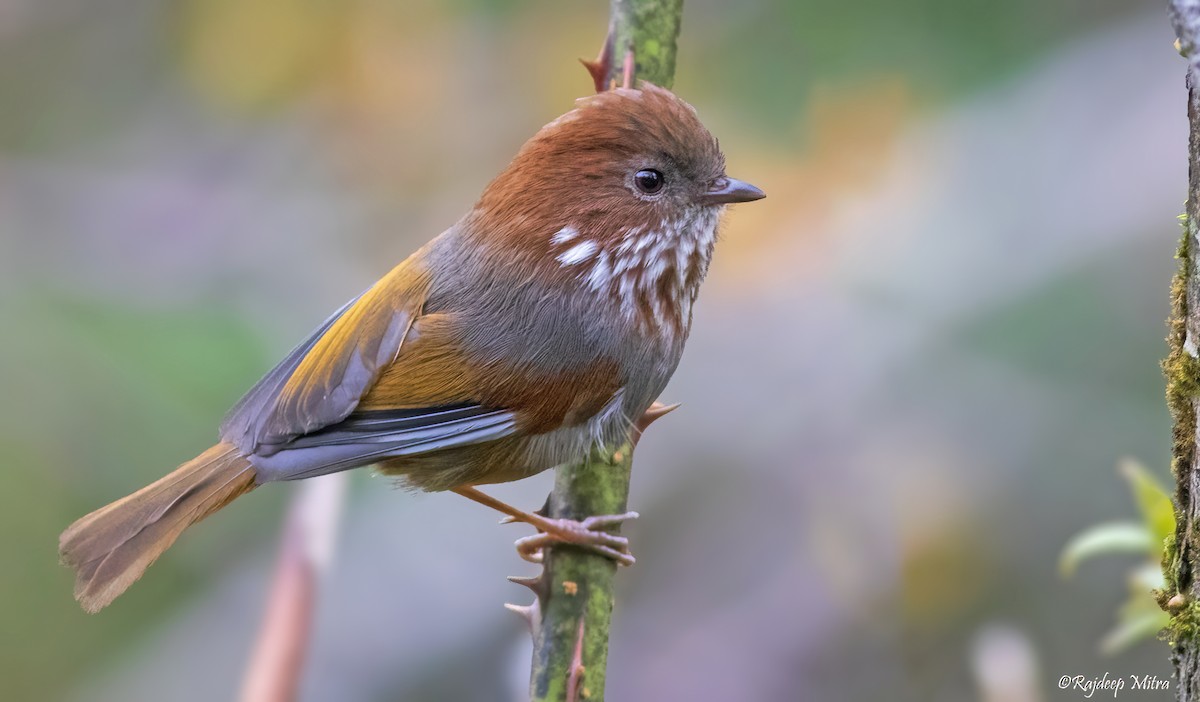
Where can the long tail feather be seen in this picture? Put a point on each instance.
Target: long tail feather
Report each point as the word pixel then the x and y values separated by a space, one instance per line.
pixel 110 548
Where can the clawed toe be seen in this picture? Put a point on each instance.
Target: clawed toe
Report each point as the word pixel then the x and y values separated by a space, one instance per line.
pixel 529 548
pixel 588 534
pixel 601 521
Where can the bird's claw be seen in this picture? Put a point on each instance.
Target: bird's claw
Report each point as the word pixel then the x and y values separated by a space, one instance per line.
pixel 588 534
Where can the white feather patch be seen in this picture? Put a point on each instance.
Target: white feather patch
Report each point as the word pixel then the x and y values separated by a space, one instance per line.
pixel 601 273
pixel 650 266
pixel 564 235
pixel 578 253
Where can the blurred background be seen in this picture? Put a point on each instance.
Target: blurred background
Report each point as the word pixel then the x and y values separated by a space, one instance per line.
pixel 914 370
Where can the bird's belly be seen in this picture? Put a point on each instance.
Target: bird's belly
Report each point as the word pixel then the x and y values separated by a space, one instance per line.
pixel 499 461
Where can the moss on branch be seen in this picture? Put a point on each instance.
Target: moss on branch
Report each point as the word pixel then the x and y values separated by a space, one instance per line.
pixel 573 612
pixel 577 586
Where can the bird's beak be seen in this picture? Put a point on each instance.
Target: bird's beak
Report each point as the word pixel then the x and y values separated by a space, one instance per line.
pixel 725 190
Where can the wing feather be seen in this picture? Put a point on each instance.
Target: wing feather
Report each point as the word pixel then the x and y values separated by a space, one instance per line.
pixel 373 436
pixel 322 380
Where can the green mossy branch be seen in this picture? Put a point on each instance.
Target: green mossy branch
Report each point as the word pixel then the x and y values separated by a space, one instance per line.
pixel 577 586
pixel 650 29
pixel 1182 372
pixel 572 615
pixel 1181 558
pixel 1185 624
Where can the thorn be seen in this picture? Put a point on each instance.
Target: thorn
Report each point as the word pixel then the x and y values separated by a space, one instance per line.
pixel 533 582
pixel 544 510
pixel 507 519
pixel 596 70
pixel 531 613
pixel 651 415
pixel 655 411
pixel 575 676
pixel 627 70
pixel 602 66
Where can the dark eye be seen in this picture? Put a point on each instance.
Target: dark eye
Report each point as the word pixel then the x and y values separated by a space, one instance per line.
pixel 649 181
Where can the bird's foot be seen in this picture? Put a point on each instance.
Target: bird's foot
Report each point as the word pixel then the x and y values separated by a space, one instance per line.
pixel 588 534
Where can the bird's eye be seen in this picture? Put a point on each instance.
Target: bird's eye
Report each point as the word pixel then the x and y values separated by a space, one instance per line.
pixel 649 180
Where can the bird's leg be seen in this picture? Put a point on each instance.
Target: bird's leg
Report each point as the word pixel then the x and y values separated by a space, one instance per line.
pixel 587 533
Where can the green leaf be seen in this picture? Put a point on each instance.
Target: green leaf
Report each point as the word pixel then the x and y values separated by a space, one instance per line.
pixel 1147 577
pixel 1110 537
pixel 1136 624
pixel 1158 512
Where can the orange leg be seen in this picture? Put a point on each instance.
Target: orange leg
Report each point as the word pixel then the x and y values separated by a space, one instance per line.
pixel 588 533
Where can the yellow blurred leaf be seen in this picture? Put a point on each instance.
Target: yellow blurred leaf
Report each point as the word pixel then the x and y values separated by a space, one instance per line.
pixel 1147 578
pixel 1133 627
pixel 254 53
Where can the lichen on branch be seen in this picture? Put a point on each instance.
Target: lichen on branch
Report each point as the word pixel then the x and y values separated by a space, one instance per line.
pixel 571 617
pixel 1182 369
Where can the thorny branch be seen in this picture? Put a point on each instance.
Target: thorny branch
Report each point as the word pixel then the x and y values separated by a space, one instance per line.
pixel 571 614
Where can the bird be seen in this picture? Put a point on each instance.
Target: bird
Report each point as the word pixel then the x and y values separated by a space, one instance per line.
pixel 545 321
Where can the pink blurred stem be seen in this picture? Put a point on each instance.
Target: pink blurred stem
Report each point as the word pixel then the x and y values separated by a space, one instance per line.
pixel 277 662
